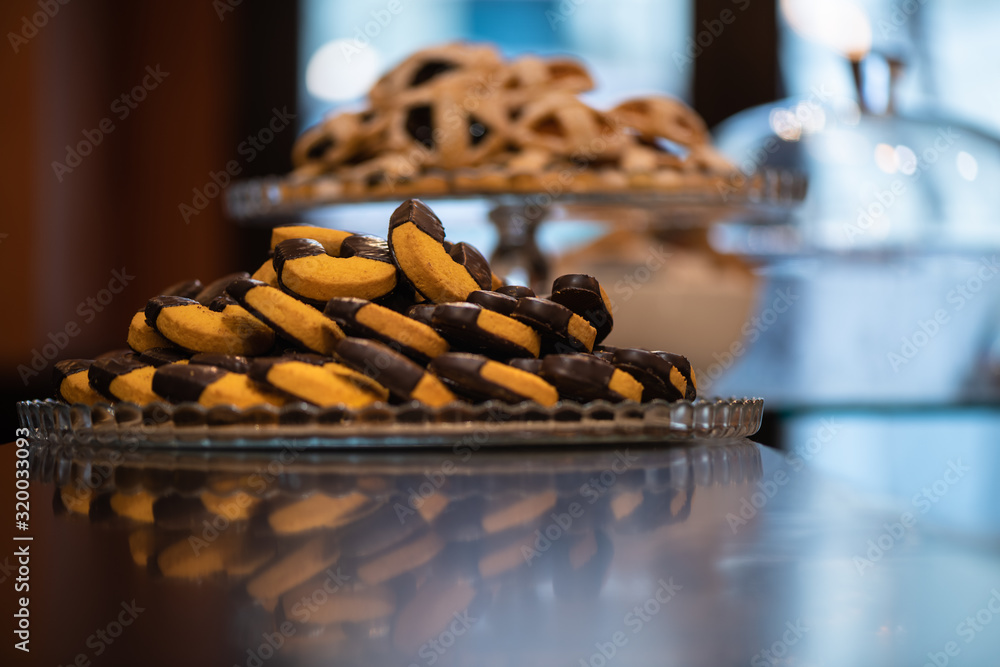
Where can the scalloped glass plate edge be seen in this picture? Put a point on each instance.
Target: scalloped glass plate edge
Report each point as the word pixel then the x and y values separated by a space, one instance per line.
pixel 489 425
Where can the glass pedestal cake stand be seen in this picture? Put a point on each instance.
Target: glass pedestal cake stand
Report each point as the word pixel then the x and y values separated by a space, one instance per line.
pixel 767 197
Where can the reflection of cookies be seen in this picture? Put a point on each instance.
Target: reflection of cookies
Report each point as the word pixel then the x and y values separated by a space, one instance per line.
pixel 327 599
pixel 507 555
pixel 405 379
pixel 296 322
pixel 136 506
pixel 416 240
pixel 584 377
pixel 402 558
pixel 293 569
pixel 518 511
pixel 364 319
pixel 436 605
pixel 476 376
pixel 474 329
pixel 316 511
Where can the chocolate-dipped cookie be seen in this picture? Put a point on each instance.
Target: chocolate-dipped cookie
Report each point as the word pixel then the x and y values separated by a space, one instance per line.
pixel 330 239
pixel 562 330
pixel 292 320
pixel 230 362
pixel 495 301
pixel 584 296
pixel 73 382
pixel 472 328
pixel 659 377
pixel 310 383
pixel 417 243
pixel 161 356
pixel 363 269
pixel 210 386
pixel 422 312
pixel 516 291
pixel 683 366
pixel 124 378
pixel 481 379
pixel 584 377
pixel 217 287
pixel 141 336
pixel 364 319
pixel 196 328
pixel 405 379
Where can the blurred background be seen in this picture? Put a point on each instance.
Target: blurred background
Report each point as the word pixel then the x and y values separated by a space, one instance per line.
pixel 868 317
pixel 876 296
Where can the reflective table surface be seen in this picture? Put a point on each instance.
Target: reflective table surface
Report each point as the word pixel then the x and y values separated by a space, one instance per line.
pixel 698 553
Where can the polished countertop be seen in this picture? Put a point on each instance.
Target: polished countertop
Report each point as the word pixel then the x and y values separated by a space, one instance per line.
pixel 704 552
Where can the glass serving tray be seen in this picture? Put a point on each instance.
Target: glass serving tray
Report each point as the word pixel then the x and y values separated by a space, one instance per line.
pixel 484 426
pixel 767 195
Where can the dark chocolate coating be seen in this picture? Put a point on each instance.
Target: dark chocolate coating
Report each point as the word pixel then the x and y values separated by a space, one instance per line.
pixel 529 364
pixel 422 312
pixel 457 322
pixel 103 371
pixel 582 294
pixel 516 291
pixel 221 302
pixel 550 320
pixel 474 263
pixel 160 356
pixel 417 212
pixel 158 303
pixel 306 357
pixel 290 249
pixel 238 289
pixel 495 301
pixel 344 311
pixel 652 370
pixel 63 369
pixel 230 362
pixel 187 289
pixel 185 382
pixel 682 364
pixel 217 288
pixel 366 247
pixel 379 362
pixel 580 377
pixel 462 372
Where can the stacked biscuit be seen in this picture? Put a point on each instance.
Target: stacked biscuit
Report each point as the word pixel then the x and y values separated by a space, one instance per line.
pixel 459 118
pixel 333 318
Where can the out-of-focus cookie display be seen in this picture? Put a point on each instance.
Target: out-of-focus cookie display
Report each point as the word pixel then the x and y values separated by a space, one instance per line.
pixel 459 118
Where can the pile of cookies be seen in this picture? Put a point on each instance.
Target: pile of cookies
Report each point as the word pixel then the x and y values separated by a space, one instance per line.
pixel 333 318
pixel 459 118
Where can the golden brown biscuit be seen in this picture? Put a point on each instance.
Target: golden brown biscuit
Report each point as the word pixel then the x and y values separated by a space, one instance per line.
pixel 193 327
